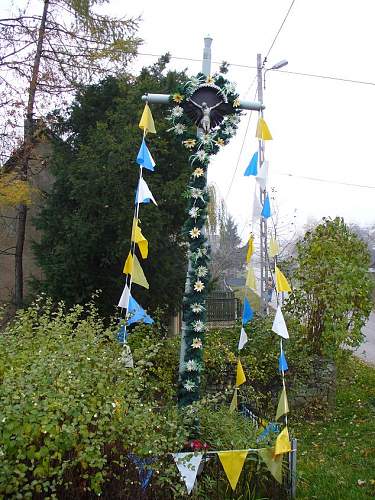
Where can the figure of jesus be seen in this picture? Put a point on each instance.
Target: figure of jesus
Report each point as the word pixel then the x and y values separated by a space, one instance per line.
pixel 205 122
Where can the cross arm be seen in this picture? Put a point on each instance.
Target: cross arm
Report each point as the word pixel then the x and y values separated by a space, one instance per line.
pixel 164 99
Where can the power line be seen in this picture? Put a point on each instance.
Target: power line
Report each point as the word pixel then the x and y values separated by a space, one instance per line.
pixel 317 179
pixel 279 31
pixel 296 73
pixel 327 77
pixel 241 149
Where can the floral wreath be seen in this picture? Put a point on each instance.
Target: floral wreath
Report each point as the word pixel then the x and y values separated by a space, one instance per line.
pixel 201 148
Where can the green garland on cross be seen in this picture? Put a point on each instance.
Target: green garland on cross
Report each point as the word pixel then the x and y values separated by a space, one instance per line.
pixel 202 147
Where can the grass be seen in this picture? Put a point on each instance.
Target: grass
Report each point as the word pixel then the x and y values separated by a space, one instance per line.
pixel 336 451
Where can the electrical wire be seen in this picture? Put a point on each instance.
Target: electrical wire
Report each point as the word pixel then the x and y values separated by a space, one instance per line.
pixel 317 179
pixel 295 73
pixel 239 154
pixel 279 30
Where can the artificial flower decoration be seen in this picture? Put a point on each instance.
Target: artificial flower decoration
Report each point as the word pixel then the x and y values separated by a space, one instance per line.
pixel 177 98
pixel 189 143
pixel 198 286
pixel 179 128
pixel 192 366
pixel 198 326
pixel 198 172
pixel 196 193
pixel 202 271
pixel 194 212
pixel 220 142
pixel 197 343
pixel 202 155
pixel 177 112
pixel 197 308
pixel 236 103
pixel 210 80
pixel 189 385
pixel 195 233
pixel 228 130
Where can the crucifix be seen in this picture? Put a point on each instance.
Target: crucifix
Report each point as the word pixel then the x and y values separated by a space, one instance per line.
pixel 207 106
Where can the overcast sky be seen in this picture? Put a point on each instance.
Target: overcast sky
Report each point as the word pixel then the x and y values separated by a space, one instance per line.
pixel 321 128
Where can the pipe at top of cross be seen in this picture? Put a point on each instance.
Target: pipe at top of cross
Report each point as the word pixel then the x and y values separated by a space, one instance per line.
pixel 206 61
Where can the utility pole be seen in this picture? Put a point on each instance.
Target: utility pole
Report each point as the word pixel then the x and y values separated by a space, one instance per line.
pixel 263 220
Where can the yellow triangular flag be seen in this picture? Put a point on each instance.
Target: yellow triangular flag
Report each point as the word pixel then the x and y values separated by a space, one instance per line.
pixel 274 463
pixel 232 462
pixel 263 132
pixel 282 284
pixel 138 237
pixel 240 376
pixel 138 275
pixel 147 121
pixel 274 247
pixel 234 402
pixel 282 444
pixel 251 281
pixel 250 248
pixel 128 266
pixel 133 267
pixel 282 407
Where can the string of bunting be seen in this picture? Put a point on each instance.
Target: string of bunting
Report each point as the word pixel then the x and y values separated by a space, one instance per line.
pixel 134 313
pixel 258 168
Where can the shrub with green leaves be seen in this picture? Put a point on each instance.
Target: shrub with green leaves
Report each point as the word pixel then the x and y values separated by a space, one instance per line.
pixel 70 412
pixel 332 289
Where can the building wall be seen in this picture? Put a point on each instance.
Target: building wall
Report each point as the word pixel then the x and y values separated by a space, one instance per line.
pixel 40 179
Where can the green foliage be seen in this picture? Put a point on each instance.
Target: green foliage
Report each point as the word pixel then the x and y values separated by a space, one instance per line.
pixel 332 290
pixel 70 412
pixel 86 221
pixel 259 358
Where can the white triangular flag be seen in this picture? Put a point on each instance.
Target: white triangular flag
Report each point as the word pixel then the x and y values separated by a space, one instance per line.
pixel 257 208
pixel 243 339
pixel 279 325
pixel 188 465
pixel 124 299
pixel 144 193
pixel 263 175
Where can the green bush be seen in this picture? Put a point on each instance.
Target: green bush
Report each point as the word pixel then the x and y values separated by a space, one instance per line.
pixel 70 412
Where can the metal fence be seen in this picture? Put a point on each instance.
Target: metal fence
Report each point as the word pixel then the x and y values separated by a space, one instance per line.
pixel 223 307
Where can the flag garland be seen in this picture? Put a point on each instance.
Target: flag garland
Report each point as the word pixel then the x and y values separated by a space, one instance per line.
pixel 132 267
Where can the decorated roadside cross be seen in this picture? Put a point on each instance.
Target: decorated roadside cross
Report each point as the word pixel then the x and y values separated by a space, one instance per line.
pixel 212 104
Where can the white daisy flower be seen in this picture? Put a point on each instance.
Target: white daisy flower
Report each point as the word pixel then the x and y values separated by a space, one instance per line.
pixel 197 343
pixel 198 326
pixel 192 366
pixel 202 271
pixel 198 286
pixel 177 111
pixel 194 212
pixel 195 233
pixel 189 385
pixel 179 128
pixel 197 308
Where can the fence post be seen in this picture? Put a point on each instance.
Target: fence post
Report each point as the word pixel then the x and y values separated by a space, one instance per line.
pixel 292 487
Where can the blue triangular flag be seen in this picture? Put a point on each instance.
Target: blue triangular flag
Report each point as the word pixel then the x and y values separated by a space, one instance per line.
pixel 271 427
pixel 247 312
pixel 283 365
pixel 122 334
pixel 145 473
pixel 137 313
pixel 252 168
pixel 144 157
pixel 266 210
